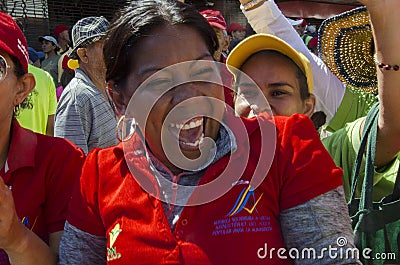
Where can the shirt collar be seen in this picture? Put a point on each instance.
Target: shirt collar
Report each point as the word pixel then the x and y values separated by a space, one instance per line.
pixel 80 74
pixel 22 148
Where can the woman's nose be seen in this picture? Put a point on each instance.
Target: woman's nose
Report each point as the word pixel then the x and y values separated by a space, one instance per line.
pixel 186 91
pixel 254 110
pixel 242 107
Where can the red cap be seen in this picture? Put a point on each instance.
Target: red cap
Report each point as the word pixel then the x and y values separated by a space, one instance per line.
pixel 234 27
pixel 12 40
pixel 59 29
pixel 303 22
pixel 215 18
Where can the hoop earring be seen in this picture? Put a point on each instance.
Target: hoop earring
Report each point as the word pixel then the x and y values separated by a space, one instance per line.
pixel 121 127
pixel 17 110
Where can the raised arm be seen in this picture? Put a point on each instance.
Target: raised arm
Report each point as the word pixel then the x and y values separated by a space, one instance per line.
pixel 387 39
pixel 328 89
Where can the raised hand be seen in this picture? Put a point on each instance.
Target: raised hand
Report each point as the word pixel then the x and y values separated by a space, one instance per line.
pixel 382 14
pixel 243 2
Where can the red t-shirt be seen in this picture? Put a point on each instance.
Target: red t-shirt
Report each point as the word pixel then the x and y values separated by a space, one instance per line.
pixel 228 230
pixel 42 171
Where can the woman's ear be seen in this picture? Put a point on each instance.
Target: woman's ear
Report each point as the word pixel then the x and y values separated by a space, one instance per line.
pixel 309 105
pixel 117 98
pixel 26 84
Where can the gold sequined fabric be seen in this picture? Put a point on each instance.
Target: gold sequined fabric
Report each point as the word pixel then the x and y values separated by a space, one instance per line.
pixel 347 48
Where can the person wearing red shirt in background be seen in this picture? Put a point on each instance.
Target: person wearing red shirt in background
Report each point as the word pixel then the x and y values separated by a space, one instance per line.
pixel 37 172
pixel 312 45
pixel 195 184
pixel 63 39
pixel 237 32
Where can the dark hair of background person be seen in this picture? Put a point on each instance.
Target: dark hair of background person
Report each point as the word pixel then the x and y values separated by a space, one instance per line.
pixel 66 77
pixel 137 20
pixel 19 72
pixel 249 30
pixel 200 4
pixel 57 49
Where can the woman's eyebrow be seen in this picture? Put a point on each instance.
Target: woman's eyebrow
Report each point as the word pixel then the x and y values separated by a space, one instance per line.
pixel 280 84
pixel 201 57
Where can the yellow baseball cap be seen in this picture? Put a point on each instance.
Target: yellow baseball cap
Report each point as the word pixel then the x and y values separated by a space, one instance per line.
pixel 266 42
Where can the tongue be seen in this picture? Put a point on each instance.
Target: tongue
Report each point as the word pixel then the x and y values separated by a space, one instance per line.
pixel 190 135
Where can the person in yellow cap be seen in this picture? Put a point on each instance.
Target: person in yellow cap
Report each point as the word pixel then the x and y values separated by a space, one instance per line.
pixel 287 83
pixel 332 95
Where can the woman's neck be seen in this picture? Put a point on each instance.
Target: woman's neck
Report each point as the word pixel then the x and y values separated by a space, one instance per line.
pixel 97 77
pixel 51 54
pixel 5 139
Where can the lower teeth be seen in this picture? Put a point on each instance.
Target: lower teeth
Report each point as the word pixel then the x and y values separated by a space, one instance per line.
pixel 199 141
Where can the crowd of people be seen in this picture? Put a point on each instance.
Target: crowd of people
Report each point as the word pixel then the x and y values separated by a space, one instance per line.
pixel 166 136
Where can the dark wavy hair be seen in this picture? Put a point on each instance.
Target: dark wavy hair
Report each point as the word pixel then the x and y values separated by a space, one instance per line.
pixel 19 72
pixel 136 21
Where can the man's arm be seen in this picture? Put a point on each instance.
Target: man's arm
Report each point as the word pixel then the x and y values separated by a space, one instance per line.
pixel 317 225
pixel 80 247
pixel 387 39
pixel 52 106
pixel 50 125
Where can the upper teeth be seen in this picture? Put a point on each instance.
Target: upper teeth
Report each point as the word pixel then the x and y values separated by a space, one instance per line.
pixel 191 125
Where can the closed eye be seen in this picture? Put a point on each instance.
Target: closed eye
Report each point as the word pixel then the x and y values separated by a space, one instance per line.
pixel 159 83
pixel 248 90
pixel 204 72
pixel 248 94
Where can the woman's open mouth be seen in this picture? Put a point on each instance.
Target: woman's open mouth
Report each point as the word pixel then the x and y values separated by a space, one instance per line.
pixel 190 134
